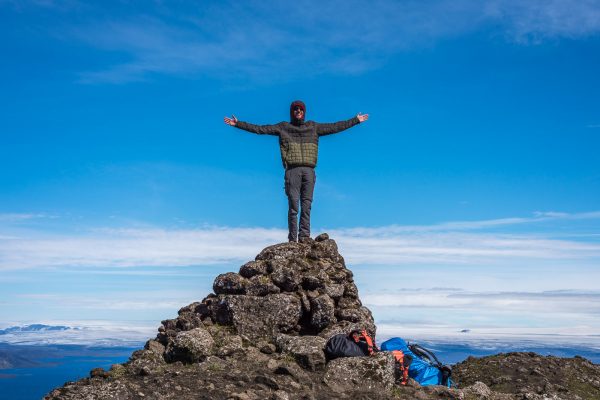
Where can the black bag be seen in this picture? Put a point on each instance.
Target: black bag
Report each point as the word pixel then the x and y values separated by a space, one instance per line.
pixel 356 344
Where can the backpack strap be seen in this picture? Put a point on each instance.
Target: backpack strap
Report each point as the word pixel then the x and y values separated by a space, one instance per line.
pixel 403 369
pixel 422 352
pixel 357 336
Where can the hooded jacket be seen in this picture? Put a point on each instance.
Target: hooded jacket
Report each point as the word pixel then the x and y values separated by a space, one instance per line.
pixel 298 140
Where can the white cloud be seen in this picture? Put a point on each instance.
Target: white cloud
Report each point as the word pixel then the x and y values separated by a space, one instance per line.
pixel 453 243
pixel 545 315
pixel 546 302
pixel 265 40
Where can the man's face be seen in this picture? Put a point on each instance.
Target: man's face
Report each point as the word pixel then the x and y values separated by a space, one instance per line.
pixel 298 113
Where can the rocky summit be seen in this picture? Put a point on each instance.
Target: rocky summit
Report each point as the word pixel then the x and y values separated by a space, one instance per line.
pixel 261 335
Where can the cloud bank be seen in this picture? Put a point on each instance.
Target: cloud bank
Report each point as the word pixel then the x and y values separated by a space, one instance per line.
pixel 452 243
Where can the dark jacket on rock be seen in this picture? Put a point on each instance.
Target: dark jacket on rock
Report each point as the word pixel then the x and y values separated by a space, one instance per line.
pixel 299 142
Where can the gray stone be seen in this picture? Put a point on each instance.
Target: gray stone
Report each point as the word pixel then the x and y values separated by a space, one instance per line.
pixel 350 290
pixel 282 251
pixel 322 237
pixel 479 389
pixel 229 345
pixel 369 373
pixel 191 346
pixel 346 326
pixel 347 302
pixel 307 350
pixel 322 312
pixel 261 285
pixel 334 290
pixel 260 317
pixel 230 283
pixel 253 268
pixel 155 347
pixel 285 278
pixel 353 314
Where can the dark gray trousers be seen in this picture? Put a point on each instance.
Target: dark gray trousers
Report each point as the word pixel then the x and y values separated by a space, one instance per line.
pixel 299 187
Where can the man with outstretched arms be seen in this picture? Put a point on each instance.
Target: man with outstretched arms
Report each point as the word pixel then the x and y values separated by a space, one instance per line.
pixel 299 146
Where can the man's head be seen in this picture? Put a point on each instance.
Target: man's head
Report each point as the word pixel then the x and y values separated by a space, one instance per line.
pixel 297 112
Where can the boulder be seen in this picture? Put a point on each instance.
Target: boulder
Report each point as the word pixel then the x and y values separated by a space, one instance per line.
pixel 308 351
pixel 322 312
pixel 253 268
pixel 376 371
pixel 283 251
pixel 261 285
pixel 230 283
pixel 190 346
pixel 286 278
pixel 334 290
pixel 259 317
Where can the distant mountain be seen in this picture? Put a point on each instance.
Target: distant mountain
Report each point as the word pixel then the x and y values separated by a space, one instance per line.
pixel 33 328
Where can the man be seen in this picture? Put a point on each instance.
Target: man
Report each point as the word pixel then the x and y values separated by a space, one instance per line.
pixel 299 146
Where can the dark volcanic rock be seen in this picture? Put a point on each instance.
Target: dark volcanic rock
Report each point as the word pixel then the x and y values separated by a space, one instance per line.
pixel 230 283
pixel 307 350
pixel 258 317
pixel 261 336
pixel 529 373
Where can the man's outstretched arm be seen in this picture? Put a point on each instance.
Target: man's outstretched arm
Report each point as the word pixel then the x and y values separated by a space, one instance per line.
pixel 258 129
pixel 335 127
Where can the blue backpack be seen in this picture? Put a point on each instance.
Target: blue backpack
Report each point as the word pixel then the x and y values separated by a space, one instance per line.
pixel 424 368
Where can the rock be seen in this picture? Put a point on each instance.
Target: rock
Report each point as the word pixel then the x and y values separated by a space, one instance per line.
pixel 191 346
pixel 261 285
pixel 98 373
pixel 229 345
pixel 374 372
pixel 312 283
pixel 230 283
pixel 260 317
pixel 267 381
pixel 350 291
pixel 267 348
pixel 322 312
pixel 346 327
pixel 334 290
pixel 282 251
pixel 280 395
pixel 155 347
pixel 322 237
pixel 326 249
pixel 285 278
pixel 253 268
pixel 188 321
pixel 353 314
pixel 479 389
pixel 307 350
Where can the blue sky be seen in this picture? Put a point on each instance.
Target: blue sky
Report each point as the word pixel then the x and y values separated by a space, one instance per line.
pixel 476 180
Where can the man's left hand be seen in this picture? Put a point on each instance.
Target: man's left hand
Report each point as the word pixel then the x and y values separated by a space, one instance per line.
pixel 362 117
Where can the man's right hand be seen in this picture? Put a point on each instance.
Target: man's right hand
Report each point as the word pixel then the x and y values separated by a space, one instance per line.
pixel 231 121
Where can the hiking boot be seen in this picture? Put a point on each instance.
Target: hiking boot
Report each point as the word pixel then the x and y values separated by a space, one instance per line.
pixel 305 240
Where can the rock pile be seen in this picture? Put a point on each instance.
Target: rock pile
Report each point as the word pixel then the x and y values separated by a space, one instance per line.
pixel 261 335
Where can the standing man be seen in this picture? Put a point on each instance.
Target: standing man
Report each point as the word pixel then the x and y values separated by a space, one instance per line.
pixel 299 146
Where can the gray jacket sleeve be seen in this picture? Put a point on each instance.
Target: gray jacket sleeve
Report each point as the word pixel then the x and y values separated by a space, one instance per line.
pixel 335 127
pixel 258 129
